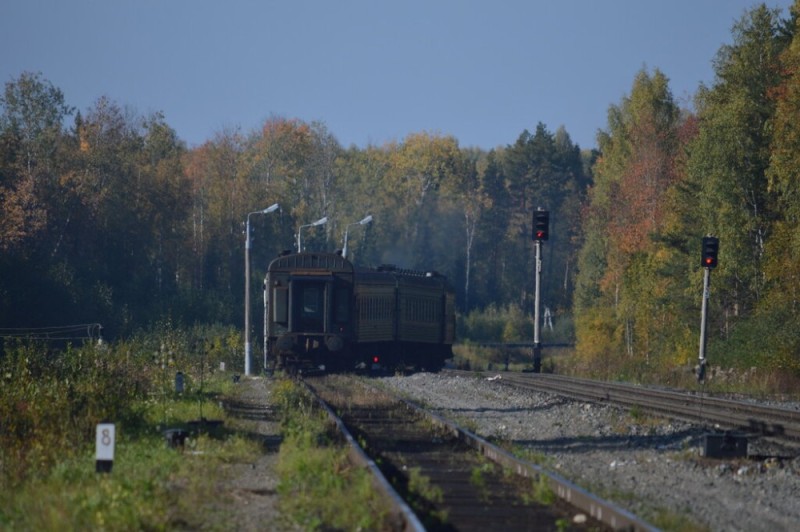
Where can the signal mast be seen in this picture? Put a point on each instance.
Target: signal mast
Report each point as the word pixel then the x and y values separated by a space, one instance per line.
pixel 708 261
pixel 541 228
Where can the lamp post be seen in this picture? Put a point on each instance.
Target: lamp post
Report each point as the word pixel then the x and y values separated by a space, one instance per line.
pixel 321 221
pixel 365 221
pixel 247 347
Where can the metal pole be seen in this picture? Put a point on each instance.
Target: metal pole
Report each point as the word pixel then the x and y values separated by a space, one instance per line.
pixel 247 347
pixel 701 370
pixel 367 219
pixel 321 221
pixel 537 345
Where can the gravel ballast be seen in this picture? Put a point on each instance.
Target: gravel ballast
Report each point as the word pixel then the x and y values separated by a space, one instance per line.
pixel 651 467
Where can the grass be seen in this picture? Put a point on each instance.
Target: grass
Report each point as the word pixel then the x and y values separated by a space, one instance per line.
pixel 155 487
pixel 73 497
pixel 319 487
pixel 531 455
pixel 424 497
pixel 669 520
pixel 151 486
pixel 420 485
pixel 477 478
pixel 542 492
pixel 50 403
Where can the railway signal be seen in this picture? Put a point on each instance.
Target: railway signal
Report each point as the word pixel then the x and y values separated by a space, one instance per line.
pixel 708 262
pixel 540 233
pixel 541 225
pixel 710 249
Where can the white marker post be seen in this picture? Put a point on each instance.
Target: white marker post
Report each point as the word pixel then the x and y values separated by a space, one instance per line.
pixel 105 447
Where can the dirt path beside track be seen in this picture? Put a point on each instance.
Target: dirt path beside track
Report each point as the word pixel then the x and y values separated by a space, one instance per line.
pixel 251 498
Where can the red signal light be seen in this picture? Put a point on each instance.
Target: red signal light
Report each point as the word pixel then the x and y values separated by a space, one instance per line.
pixel 541 224
pixel 375 360
pixel 710 250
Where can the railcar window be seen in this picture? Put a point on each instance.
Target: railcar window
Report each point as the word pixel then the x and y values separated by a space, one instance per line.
pixel 309 309
pixel 310 303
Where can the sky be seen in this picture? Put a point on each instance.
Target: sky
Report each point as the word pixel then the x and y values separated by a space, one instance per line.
pixel 372 71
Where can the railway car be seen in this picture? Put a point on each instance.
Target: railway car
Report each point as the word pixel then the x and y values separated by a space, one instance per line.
pixel 323 313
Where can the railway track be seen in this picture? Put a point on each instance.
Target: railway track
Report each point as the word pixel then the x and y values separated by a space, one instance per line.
pixel 444 478
pixel 752 420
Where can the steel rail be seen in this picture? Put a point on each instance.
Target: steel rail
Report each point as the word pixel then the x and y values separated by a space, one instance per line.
pixel 596 507
pixel 774 422
pixel 600 509
pixel 404 517
pixel 405 440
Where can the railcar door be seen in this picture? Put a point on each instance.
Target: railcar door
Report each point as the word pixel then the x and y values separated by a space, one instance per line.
pixel 308 306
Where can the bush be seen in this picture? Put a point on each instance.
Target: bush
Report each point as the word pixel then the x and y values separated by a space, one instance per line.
pixel 508 324
pixel 51 401
pixel 50 404
pixel 511 324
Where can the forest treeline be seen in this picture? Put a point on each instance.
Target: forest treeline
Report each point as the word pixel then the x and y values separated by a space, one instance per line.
pixel 107 215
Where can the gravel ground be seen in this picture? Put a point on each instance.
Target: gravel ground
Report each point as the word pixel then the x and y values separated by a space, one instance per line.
pixel 647 466
pixel 250 492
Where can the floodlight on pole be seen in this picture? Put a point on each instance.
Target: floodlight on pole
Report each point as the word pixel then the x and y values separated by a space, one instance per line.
pixel 247 346
pixel 365 221
pixel 321 221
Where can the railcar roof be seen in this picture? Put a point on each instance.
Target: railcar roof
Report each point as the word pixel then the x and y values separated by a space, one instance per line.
pixel 330 262
pixel 399 276
pixel 302 264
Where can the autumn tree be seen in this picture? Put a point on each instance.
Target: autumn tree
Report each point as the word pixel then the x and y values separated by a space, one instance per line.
pixel 780 307
pixel 618 288
pixel 730 157
pixel 219 204
pixel 32 137
pixel 465 200
pixel 418 168
pixel 31 131
pixel 362 177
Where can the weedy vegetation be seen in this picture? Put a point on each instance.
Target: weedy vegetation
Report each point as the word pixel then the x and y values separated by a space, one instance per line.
pixel 477 478
pixel 51 402
pixel 425 496
pixel 542 492
pixel 319 487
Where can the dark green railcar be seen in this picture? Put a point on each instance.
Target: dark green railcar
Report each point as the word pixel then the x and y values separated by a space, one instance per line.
pixel 324 313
